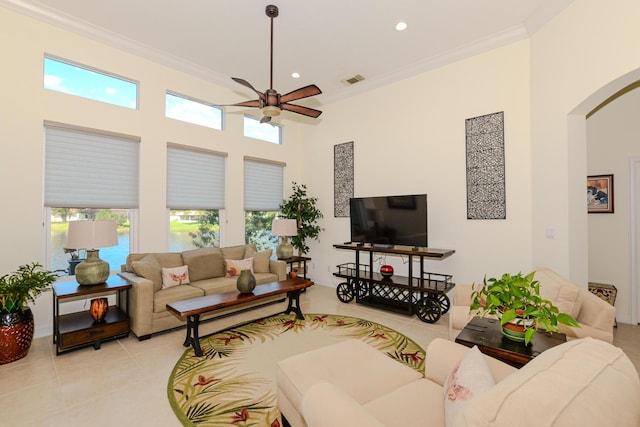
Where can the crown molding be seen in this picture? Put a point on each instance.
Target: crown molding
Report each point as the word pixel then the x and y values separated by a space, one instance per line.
pixel 57 19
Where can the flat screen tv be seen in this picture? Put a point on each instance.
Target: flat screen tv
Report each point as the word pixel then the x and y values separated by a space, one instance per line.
pixel 390 221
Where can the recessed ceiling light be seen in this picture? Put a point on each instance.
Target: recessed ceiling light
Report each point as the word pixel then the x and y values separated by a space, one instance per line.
pixel 401 26
pixel 295 75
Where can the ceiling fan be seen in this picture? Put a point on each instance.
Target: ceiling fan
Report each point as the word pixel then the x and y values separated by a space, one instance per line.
pixel 271 102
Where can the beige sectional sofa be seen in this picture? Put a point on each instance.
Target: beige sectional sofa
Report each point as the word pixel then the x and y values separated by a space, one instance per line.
pixel 584 382
pixel 596 317
pixel 207 268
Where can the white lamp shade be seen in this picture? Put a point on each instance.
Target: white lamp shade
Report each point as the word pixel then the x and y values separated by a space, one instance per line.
pixel 91 234
pixel 284 227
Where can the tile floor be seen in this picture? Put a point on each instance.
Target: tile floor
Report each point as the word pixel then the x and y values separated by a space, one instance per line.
pixel 125 382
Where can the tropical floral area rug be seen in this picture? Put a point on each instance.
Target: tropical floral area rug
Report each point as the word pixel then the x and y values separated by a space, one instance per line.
pixel 234 382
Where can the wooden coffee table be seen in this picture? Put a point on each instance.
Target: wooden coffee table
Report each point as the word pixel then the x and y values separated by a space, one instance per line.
pixel 194 307
pixel 487 335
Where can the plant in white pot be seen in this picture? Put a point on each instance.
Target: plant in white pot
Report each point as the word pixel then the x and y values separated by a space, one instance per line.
pixel 17 289
pixel 516 300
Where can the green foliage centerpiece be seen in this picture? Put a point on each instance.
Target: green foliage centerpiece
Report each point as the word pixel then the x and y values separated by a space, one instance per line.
pixel 516 300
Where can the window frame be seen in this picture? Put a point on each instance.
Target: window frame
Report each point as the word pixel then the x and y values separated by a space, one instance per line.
pixel 278 126
pixel 197 101
pixel 92 70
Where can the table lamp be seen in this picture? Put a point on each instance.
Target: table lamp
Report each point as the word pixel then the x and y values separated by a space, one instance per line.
pixel 284 228
pixel 91 235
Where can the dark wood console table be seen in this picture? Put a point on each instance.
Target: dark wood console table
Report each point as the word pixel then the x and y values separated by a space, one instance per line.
pixel 423 294
pixel 486 334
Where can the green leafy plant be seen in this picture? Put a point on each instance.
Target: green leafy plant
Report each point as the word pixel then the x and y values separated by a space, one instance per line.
pixel 303 209
pixel 23 286
pixel 516 299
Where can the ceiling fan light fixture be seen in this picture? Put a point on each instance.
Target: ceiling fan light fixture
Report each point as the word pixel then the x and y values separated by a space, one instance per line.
pixel 271 111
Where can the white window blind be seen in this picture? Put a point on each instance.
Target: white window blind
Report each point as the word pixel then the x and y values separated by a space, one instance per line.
pixel 263 185
pixel 90 170
pixel 195 179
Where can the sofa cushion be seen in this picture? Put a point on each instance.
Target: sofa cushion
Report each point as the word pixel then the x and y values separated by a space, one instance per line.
pixel 233 267
pixel 204 263
pixel 410 405
pixel 236 252
pixel 149 268
pixel 173 294
pixel 260 259
pixel 563 293
pixel 175 276
pixel 296 374
pixel 470 378
pixel 583 382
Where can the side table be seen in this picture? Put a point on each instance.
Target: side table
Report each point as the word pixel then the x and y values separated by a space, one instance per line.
pixel 297 260
pixel 75 330
pixel 487 335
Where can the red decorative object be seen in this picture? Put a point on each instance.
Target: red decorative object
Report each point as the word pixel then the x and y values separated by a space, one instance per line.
pixel 98 309
pixel 386 271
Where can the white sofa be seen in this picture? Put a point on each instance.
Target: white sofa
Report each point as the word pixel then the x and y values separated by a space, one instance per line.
pixel 596 317
pixel 207 267
pixel 585 382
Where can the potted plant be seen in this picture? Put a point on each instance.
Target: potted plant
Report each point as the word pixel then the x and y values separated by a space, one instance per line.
pixel 16 319
pixel 303 209
pixel 516 300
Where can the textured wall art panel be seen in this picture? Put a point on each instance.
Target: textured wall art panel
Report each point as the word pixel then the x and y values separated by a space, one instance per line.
pixel 485 167
pixel 342 178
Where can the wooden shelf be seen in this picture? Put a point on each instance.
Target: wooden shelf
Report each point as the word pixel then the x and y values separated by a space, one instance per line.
pixel 76 330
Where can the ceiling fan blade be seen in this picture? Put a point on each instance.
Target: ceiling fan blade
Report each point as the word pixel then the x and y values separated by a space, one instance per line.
pixel 265 119
pixel 255 103
pixel 247 84
pixel 305 111
pixel 303 92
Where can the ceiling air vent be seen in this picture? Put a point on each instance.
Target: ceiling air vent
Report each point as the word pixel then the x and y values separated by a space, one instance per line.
pixel 353 80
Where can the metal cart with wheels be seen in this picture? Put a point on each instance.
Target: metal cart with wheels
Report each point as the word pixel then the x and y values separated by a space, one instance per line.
pixel 424 295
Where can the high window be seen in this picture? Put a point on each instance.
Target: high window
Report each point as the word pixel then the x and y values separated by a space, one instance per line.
pixel 263 194
pixel 82 81
pixel 89 175
pixel 264 131
pixel 195 197
pixel 192 111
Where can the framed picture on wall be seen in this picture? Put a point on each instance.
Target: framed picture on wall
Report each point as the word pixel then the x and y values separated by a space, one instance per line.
pixel 600 194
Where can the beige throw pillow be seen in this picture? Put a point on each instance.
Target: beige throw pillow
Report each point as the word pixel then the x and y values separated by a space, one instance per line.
pixel 260 259
pixel 235 266
pixel 470 378
pixel 149 268
pixel 175 276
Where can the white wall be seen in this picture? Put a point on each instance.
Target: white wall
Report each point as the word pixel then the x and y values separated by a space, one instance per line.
pixel 612 139
pixel 579 59
pixel 409 137
pixel 26 105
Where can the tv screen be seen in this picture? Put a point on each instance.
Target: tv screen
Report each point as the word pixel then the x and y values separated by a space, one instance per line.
pixel 390 220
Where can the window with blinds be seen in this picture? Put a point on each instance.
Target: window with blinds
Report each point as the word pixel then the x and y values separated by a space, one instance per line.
pixel 195 196
pixel 88 175
pixel 263 195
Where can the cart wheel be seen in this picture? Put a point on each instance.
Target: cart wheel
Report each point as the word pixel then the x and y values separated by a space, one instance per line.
pixel 445 303
pixel 363 289
pixel 345 292
pixel 428 310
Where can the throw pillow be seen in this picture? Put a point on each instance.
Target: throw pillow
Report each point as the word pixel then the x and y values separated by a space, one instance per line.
pixel 149 268
pixel 235 266
pixel 260 259
pixel 470 378
pixel 175 276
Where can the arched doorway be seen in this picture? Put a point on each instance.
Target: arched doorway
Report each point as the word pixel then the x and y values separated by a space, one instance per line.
pixel 629 304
